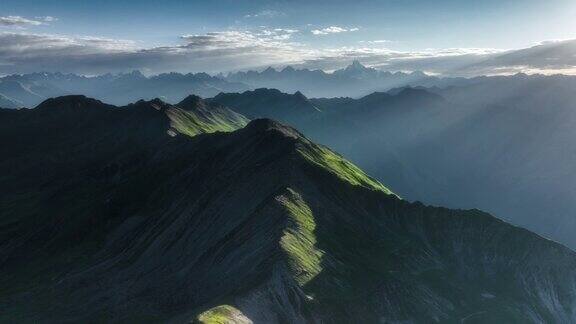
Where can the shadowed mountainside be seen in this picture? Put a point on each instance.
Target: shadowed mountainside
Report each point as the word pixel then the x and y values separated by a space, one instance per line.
pixel 138 214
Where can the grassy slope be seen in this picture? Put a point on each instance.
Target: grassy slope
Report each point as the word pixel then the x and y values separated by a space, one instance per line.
pixel 193 123
pixel 223 314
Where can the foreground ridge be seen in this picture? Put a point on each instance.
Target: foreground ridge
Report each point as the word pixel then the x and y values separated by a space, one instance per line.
pixel 110 217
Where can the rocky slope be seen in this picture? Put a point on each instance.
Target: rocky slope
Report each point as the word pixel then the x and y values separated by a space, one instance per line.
pixel 126 215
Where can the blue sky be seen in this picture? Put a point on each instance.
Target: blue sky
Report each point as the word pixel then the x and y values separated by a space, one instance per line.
pixel 321 33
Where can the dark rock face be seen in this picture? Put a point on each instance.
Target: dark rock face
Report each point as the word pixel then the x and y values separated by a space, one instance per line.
pixel 110 218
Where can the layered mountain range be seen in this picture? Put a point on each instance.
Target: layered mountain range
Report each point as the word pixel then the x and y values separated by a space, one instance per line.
pixel 500 144
pixel 154 212
pixel 355 81
pixel 29 90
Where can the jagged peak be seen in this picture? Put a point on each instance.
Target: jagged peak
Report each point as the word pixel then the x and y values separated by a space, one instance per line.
pixel 357 64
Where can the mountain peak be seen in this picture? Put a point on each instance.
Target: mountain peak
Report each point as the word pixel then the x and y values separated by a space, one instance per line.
pixel 70 102
pixel 300 95
pixel 288 69
pixel 357 65
pixel 190 102
pixel 356 70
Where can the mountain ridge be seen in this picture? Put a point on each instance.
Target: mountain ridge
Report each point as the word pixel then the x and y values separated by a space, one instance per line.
pixel 152 227
pixel 498 143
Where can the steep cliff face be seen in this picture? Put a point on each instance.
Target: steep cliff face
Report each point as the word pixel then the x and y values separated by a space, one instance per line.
pixel 124 217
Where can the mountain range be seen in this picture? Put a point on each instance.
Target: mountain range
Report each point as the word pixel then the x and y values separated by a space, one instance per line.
pixel 29 90
pixel 501 144
pixel 354 81
pixel 155 212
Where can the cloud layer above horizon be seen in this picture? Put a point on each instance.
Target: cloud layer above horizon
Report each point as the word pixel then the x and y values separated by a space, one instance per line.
pixel 22 51
pixel 441 37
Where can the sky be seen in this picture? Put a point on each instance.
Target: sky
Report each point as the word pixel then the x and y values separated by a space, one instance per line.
pixel 441 36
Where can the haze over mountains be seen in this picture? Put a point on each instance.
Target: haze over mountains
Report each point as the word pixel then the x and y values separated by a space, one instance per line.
pixel 175 213
pixel 356 80
pixel 501 144
pixel 29 90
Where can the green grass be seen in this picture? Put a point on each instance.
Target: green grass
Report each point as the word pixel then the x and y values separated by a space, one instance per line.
pixel 299 240
pixel 223 314
pixel 340 167
pixel 193 123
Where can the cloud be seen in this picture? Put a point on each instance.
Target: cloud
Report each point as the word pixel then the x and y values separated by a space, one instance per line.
pixel 376 42
pixel 264 38
pixel 21 22
pixel 228 50
pixel 265 14
pixel 437 61
pixel 26 52
pixel 17 21
pixel 548 57
pixel 210 52
pixel 47 19
pixel 333 30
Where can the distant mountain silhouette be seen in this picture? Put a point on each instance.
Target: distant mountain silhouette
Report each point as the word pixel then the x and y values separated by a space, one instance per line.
pixel 353 81
pixel 31 89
